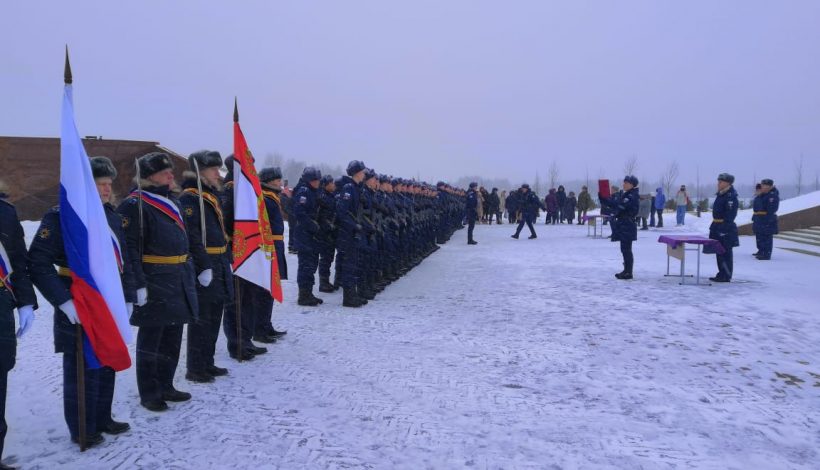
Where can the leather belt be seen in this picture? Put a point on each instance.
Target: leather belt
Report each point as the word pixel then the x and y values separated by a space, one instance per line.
pixel 155 259
pixel 216 250
pixel 717 221
pixel 278 238
pixel 760 213
pixel 63 271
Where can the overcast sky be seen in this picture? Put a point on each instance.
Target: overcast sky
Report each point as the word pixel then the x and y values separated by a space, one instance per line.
pixel 438 88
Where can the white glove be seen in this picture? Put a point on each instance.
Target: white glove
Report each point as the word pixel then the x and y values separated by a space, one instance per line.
pixel 70 311
pixel 142 297
pixel 205 277
pixel 129 307
pixel 26 314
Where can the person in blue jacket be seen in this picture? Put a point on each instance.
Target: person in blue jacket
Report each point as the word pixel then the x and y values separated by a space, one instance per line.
pixel 660 202
pixel 764 218
pixel 623 206
pixel 528 205
pixel 306 233
pixel 16 292
pixel 723 228
pixel 349 231
pixel 471 212
pixel 46 252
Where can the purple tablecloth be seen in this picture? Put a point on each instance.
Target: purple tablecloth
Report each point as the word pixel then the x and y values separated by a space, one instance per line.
pixel 676 240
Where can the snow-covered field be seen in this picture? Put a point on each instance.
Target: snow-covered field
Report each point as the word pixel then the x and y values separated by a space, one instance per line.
pixel 508 354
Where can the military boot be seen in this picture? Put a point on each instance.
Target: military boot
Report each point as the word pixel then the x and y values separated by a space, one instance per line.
pixel 350 299
pixel 307 299
pixel 325 285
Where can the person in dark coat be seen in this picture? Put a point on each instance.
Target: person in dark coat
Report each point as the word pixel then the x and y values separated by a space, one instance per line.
pixel 569 207
pixel 561 197
pixel 658 205
pixel 262 302
pixel 764 218
pixel 327 231
pixel 16 292
pixel 159 253
pixel 46 252
pixel 528 204
pixel 723 228
pixel 551 203
pixel 492 205
pixel 471 212
pixel 306 233
pixel 209 250
pixel 623 206
pixel 512 206
pixel 349 232
pixel 238 323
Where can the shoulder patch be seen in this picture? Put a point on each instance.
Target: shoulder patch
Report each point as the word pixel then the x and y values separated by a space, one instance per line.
pixel 44 233
pixel 189 211
pixel 302 199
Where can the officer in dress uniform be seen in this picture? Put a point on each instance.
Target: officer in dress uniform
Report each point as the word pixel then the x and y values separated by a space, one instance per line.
pixel 239 342
pixel 166 283
pixel 271 181
pixel 471 212
pixel 764 218
pixel 349 232
pixel 305 214
pixel 209 250
pixel 723 228
pixel 16 292
pixel 327 231
pixel 46 252
pixel 624 206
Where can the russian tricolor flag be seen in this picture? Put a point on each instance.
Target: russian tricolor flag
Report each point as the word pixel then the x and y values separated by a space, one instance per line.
pixel 96 287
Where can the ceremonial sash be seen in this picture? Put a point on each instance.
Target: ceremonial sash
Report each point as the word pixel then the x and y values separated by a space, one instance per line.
pixel 273 196
pixel 162 204
pixel 214 202
pixel 5 269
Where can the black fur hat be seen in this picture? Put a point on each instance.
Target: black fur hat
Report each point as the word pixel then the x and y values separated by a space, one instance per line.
pixel 311 174
pixel 270 174
pixel 726 177
pixel 154 162
pixel 205 159
pixel 355 166
pixel 102 167
pixel 326 180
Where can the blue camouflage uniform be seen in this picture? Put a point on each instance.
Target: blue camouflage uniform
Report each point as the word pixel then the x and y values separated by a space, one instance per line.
pixel 305 214
pixel 764 221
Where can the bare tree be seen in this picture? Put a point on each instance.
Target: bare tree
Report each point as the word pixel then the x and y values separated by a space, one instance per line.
pixel 537 183
pixel 669 176
pixel 631 165
pixel 817 181
pixel 798 168
pixel 553 173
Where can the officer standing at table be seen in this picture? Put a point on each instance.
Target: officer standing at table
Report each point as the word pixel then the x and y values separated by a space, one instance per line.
pixel 723 228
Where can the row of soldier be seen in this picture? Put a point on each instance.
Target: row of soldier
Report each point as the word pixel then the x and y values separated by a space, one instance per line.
pixel 177 271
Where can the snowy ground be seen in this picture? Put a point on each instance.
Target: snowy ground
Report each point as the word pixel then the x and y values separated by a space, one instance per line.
pixel 508 354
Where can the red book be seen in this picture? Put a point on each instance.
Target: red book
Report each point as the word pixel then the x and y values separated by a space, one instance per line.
pixel 603 188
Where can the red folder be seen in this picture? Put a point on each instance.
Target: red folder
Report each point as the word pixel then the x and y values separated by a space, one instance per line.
pixel 603 188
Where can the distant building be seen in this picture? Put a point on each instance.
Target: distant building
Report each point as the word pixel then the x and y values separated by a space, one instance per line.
pixel 30 168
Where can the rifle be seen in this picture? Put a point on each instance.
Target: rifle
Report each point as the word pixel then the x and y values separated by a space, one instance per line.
pixel 201 204
pixel 139 208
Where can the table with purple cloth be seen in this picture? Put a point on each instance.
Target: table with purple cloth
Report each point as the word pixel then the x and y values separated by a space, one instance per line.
pixel 676 248
pixel 592 221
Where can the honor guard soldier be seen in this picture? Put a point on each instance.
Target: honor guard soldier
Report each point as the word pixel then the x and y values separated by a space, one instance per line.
pixel 271 181
pixel 16 292
pixel 723 228
pixel 205 224
pixel 238 331
pixel 166 285
pixel 305 215
pixel 349 232
pixel 46 252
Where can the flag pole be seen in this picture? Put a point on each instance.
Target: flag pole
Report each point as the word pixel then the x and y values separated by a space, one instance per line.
pixel 78 328
pixel 237 292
